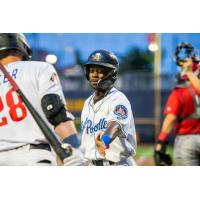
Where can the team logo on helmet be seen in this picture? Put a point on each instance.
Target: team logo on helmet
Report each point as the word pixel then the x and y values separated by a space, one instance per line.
pixel 96 57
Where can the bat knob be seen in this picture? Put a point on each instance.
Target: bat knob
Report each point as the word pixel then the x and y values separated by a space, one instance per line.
pixel 67 148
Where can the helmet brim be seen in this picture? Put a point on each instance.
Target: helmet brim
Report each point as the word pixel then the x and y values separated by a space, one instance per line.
pixel 89 64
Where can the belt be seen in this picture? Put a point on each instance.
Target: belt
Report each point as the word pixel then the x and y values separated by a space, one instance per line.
pixel 40 146
pixel 102 162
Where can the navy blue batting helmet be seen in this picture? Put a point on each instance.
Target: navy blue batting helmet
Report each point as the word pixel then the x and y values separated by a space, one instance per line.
pixel 107 60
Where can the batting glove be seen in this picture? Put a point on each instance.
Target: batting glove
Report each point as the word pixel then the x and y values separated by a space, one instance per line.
pixel 76 158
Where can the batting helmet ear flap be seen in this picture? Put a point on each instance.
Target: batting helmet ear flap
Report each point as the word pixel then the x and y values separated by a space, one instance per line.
pixel 86 70
pixel 108 81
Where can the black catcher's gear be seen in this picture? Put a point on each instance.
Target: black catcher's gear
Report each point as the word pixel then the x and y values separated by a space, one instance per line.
pixel 106 60
pixel 9 41
pixel 162 158
pixel 185 50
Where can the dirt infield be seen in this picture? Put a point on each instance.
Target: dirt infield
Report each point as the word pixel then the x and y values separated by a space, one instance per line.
pixel 144 161
pixel 144 155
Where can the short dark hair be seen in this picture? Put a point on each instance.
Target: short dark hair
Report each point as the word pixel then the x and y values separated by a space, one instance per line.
pixel 10 52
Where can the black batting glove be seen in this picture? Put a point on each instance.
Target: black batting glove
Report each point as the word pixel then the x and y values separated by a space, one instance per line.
pixel 161 158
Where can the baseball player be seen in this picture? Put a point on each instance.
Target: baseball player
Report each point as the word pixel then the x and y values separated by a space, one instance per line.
pixel 21 140
pixel 109 136
pixel 183 115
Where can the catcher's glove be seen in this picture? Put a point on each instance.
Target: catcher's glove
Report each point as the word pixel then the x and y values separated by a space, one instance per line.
pixel 161 158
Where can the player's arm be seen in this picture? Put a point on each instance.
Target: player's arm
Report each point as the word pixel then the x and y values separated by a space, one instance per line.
pixel 119 116
pixel 62 120
pixel 67 129
pixel 187 67
pixel 53 105
pixel 160 155
pixel 171 111
pixel 68 134
pixel 194 81
pixel 167 127
pixel 112 131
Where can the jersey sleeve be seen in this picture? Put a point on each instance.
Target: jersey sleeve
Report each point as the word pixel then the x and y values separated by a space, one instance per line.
pixel 173 104
pixel 120 111
pixel 48 81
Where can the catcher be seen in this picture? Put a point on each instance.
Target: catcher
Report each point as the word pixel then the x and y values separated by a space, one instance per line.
pixel 182 113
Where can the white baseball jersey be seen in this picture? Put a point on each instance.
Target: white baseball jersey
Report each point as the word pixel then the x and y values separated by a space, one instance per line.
pixel 35 79
pixel 94 119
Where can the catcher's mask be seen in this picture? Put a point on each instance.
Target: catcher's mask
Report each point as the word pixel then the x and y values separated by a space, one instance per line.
pixel 183 51
pixel 107 60
pixel 9 41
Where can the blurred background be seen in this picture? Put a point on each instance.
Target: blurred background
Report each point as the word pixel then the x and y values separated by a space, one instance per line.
pixel 147 73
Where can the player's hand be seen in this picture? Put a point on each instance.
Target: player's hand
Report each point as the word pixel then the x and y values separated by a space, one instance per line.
pixel 161 158
pixel 76 158
pixel 187 65
pixel 100 146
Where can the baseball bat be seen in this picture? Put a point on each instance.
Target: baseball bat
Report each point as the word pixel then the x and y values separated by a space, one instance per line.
pixel 48 133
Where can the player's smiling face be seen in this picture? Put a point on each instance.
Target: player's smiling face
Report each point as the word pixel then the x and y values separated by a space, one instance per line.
pixel 96 74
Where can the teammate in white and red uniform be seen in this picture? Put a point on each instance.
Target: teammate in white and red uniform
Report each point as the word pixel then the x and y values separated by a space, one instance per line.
pixel 109 136
pixel 21 140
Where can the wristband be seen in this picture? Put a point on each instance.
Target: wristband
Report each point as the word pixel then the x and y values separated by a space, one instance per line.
pixel 72 140
pixel 163 136
pixel 106 139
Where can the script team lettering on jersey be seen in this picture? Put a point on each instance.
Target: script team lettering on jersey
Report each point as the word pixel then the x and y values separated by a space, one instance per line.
pixel 91 128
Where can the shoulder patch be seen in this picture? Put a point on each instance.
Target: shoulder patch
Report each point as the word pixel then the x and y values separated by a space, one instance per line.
pixel 54 78
pixel 121 112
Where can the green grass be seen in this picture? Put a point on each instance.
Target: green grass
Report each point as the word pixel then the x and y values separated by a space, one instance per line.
pixel 147 150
